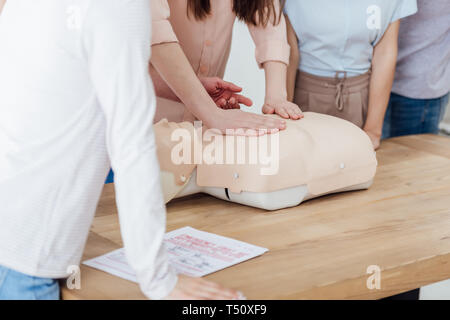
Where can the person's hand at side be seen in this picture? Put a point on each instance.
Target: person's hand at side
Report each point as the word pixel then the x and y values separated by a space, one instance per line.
pixel 188 288
pixel 374 137
pixel 225 94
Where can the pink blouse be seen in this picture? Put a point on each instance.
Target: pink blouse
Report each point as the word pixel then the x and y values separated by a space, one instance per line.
pixel 207 42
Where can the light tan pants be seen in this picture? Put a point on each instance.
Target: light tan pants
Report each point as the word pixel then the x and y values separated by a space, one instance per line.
pixel 342 97
pixel 172 111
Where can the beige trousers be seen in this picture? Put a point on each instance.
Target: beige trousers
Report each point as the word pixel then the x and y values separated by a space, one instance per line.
pixel 172 111
pixel 342 97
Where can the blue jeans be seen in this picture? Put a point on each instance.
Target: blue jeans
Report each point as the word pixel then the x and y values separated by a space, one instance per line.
pixel 405 116
pixel 18 286
pixel 110 178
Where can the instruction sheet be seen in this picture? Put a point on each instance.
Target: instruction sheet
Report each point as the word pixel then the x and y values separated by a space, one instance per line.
pixel 191 252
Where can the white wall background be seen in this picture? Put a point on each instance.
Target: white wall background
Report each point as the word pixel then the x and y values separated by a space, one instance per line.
pixel 243 70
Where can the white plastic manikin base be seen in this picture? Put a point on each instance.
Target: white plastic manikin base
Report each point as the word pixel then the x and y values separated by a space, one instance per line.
pixel 275 200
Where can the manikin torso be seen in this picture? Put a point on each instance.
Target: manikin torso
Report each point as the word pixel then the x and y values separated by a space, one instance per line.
pixel 314 156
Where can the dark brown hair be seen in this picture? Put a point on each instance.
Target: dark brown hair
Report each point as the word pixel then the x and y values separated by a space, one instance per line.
pixel 256 12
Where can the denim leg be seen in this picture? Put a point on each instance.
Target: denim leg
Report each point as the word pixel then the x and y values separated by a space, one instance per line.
pixel 18 286
pixel 444 106
pixel 433 115
pixel 407 116
pixel 110 178
pixel 386 133
pixel 413 116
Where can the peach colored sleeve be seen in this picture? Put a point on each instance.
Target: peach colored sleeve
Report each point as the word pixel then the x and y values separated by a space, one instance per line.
pixel 2 3
pixel 271 41
pixel 161 27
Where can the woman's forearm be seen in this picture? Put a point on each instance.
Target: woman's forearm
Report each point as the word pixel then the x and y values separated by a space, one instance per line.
pixel 275 80
pixel 294 60
pixel 171 63
pixel 276 100
pixel 380 89
pixel 276 94
pixel 383 71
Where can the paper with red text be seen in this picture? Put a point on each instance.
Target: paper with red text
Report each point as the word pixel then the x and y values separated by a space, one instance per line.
pixel 191 252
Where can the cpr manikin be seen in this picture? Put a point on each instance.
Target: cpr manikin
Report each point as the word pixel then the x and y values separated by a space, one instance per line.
pixel 314 156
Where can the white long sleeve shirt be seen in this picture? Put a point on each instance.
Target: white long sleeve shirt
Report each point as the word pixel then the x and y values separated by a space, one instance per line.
pixel 75 98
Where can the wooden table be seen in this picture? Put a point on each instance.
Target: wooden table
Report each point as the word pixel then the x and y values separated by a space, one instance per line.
pixel 322 248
